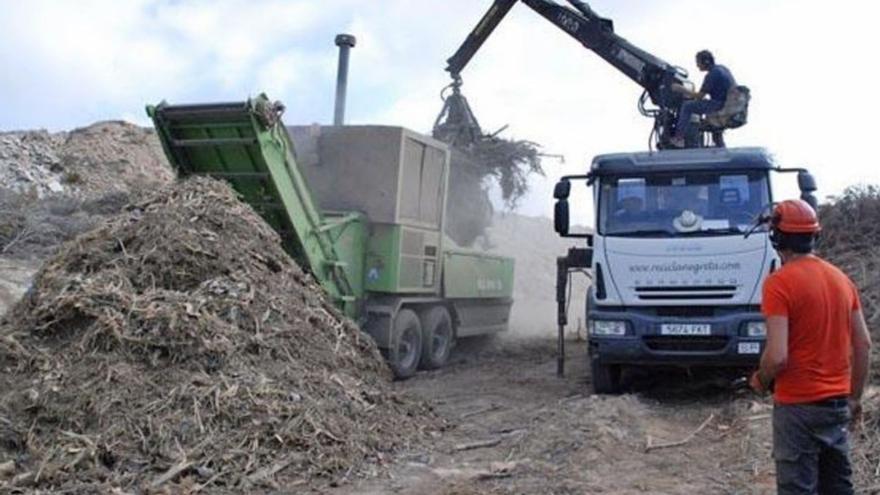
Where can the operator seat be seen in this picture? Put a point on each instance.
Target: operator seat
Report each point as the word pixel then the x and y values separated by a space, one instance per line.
pixel 733 114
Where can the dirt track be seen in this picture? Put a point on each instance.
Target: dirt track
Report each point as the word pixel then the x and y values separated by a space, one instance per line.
pixel 548 435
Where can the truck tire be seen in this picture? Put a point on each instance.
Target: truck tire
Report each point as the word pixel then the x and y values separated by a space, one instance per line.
pixel 605 378
pixel 437 337
pixel 406 344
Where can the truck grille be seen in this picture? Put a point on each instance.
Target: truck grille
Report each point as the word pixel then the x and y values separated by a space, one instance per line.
pixel 686 344
pixel 686 311
pixel 659 293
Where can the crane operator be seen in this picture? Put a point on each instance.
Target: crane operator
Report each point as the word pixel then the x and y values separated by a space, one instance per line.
pixel 716 84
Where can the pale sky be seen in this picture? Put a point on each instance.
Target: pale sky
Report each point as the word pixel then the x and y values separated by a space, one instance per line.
pixel 810 65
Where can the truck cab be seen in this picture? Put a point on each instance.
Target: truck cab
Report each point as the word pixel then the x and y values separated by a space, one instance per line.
pixel 676 279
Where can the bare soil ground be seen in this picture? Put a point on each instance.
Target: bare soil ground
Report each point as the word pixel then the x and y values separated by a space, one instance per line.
pixel 545 434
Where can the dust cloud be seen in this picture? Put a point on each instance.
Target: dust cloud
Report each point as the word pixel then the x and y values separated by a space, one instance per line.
pixel 534 245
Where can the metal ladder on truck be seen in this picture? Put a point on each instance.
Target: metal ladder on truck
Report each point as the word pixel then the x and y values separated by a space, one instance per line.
pixel 246 144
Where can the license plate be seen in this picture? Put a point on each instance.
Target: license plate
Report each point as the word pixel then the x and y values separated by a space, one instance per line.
pixel 749 348
pixel 685 329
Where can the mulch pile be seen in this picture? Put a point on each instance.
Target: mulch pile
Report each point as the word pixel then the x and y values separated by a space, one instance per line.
pixel 851 239
pixel 176 348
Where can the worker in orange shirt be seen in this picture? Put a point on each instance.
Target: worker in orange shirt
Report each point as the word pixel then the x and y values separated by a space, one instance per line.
pixel 816 358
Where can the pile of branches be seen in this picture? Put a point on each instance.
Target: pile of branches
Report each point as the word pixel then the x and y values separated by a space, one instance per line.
pixel 509 162
pixel 477 159
pixel 177 347
pixel 473 167
pixel 851 240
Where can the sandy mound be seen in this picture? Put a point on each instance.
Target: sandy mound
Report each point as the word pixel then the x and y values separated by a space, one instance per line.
pixel 95 160
pixel 179 346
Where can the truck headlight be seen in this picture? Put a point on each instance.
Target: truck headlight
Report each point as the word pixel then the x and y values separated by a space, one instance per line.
pixel 607 327
pixel 756 329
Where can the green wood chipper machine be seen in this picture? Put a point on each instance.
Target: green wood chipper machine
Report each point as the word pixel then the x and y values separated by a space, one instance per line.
pixel 362 208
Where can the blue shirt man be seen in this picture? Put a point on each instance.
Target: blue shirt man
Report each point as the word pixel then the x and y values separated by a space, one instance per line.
pixel 716 84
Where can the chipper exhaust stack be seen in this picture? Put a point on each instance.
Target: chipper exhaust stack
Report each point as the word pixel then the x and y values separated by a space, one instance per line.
pixel 345 42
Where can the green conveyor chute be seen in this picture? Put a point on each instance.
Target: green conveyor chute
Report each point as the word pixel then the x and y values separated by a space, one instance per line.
pixel 245 144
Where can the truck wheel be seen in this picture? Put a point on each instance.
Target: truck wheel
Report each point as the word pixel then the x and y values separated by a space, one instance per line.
pixel 605 378
pixel 437 337
pixel 406 344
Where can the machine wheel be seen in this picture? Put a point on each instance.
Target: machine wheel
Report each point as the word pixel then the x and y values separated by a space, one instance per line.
pixel 406 344
pixel 605 378
pixel 437 337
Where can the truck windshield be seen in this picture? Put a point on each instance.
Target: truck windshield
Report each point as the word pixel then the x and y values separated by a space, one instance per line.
pixel 700 203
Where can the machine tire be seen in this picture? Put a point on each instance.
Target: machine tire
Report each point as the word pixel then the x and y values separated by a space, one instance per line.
pixel 437 337
pixel 406 344
pixel 605 378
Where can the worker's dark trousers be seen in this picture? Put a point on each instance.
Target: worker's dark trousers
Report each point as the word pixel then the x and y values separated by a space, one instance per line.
pixel 811 448
pixel 691 108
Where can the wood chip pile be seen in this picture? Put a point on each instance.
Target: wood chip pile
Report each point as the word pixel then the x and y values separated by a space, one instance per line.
pixel 178 348
pixel 851 239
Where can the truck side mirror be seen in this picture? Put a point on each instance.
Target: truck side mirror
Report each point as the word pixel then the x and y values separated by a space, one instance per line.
pixel 807 185
pixel 562 190
pixel 806 182
pixel 560 215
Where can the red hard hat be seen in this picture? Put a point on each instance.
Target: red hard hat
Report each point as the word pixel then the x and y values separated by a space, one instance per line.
pixel 795 216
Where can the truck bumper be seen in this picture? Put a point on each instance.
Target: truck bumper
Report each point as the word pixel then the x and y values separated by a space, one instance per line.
pixel 645 343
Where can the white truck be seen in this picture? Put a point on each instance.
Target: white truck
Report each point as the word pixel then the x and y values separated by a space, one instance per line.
pixel 677 258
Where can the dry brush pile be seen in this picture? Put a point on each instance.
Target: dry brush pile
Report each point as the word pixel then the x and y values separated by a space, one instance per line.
pixel 177 347
pixel 851 240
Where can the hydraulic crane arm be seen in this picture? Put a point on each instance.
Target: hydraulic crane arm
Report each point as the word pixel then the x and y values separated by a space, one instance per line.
pixel 593 32
pixel 479 35
pixel 577 19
